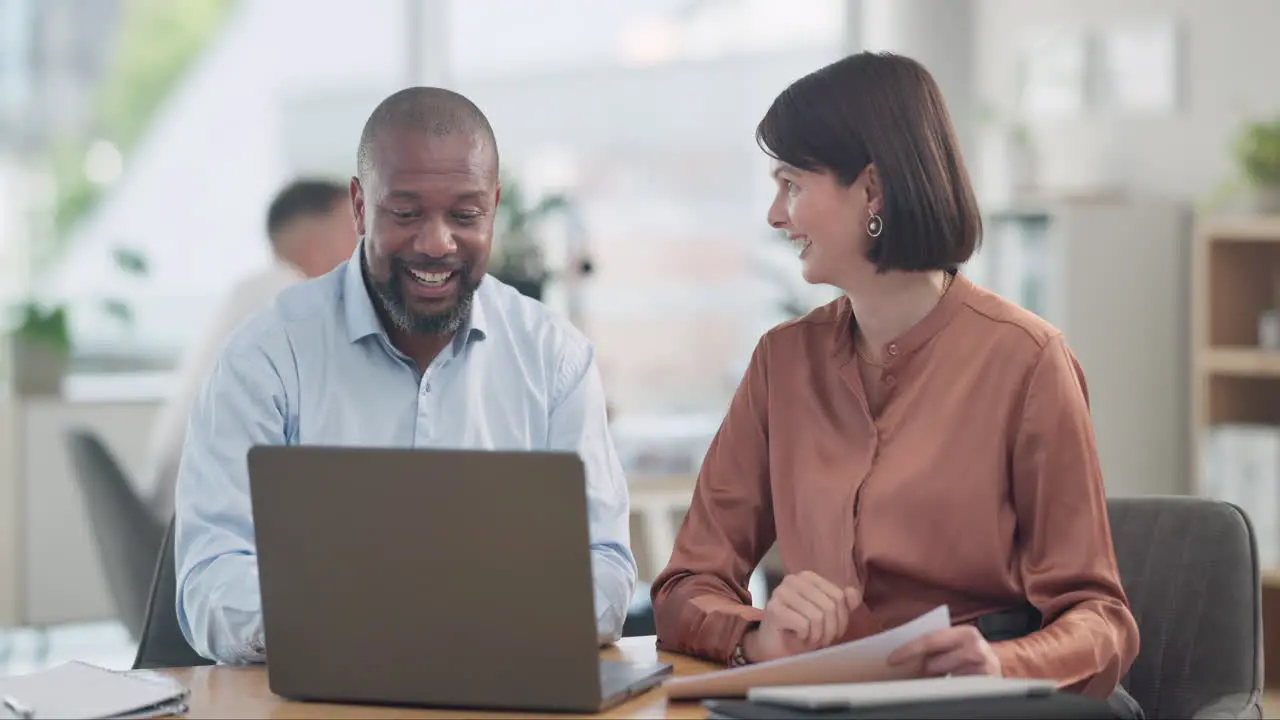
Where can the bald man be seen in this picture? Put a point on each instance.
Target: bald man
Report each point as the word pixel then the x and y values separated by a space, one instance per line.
pixel 409 343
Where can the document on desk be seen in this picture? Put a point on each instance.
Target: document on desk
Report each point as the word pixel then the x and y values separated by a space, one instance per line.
pixel 80 690
pixel 864 660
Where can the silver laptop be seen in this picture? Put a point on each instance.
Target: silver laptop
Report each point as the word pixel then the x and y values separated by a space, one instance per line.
pixel 440 578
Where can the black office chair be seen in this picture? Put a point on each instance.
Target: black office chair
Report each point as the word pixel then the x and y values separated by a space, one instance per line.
pixel 163 644
pixel 640 621
pixel 127 533
pixel 1190 569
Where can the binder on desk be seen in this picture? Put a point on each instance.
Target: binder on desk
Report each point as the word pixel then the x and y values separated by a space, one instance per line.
pixel 80 690
pixel 1037 703
pixel 1058 706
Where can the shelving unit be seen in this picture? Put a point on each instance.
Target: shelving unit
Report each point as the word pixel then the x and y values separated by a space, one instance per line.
pixel 1111 274
pixel 1235 264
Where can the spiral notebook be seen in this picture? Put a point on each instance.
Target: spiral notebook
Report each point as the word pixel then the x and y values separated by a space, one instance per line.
pixel 80 690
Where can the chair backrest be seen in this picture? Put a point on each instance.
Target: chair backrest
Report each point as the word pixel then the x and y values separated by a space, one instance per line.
pixel 162 644
pixel 127 533
pixel 1190 569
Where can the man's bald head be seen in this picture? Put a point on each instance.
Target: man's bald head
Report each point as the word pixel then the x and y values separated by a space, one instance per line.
pixel 432 110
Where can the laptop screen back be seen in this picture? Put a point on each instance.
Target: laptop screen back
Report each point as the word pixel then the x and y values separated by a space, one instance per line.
pixel 436 577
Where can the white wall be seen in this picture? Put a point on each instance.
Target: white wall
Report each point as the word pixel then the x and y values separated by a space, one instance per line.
pixel 50 568
pixel 62 578
pixel 937 33
pixel 11 515
pixel 1231 57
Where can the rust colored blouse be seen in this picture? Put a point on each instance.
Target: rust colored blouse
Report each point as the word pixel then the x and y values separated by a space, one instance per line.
pixel 976 485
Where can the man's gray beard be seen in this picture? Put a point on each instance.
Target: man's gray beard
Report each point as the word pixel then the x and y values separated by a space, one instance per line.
pixel 390 296
pixel 421 324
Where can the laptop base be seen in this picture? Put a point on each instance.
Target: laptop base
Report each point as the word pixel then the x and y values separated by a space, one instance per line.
pixel 621 681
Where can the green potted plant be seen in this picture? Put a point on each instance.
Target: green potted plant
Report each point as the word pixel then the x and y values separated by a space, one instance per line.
pixel 1257 151
pixel 41 335
pixel 518 258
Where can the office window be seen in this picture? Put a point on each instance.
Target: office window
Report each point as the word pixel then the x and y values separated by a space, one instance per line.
pixel 194 191
pixel 644 113
pixel 16 24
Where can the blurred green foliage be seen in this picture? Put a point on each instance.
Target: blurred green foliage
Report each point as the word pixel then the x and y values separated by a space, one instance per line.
pixel 156 43
pixel 518 257
pixel 1257 150
pixel 48 324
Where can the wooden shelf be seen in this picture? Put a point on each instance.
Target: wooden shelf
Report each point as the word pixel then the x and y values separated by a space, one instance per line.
pixel 1244 362
pixel 1246 228
pixel 1235 277
pixel 1271 578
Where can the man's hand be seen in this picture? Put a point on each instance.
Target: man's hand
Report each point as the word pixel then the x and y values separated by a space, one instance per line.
pixel 959 650
pixel 806 612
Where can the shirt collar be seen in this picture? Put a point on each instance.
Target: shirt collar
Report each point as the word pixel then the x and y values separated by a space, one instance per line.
pixel 363 320
pixel 476 326
pixel 956 297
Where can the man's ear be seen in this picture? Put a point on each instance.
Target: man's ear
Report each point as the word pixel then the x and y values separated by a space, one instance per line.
pixel 872 189
pixel 357 205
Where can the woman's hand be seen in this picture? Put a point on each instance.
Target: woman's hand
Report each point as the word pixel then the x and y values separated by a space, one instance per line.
pixel 959 650
pixel 805 612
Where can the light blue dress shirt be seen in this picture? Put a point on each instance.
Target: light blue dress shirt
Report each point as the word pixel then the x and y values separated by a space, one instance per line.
pixel 317 368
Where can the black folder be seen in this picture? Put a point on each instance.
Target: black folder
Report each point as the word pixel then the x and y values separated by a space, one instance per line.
pixel 1053 706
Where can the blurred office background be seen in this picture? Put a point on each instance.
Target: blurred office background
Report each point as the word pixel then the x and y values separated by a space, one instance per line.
pixel 1126 153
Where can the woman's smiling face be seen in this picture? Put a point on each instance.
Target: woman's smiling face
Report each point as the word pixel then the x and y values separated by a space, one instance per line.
pixel 826 220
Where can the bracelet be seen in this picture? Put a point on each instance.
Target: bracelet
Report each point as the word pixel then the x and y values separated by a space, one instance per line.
pixel 739 656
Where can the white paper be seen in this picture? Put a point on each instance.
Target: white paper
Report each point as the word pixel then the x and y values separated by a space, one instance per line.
pixel 872 694
pixel 80 690
pixel 864 660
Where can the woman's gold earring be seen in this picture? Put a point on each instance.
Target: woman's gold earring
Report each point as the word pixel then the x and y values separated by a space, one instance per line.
pixel 875 225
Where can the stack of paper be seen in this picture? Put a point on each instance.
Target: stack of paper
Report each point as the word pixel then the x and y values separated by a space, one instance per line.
pixel 79 690
pixel 864 660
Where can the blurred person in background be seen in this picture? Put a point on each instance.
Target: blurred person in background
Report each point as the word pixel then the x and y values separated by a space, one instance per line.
pixel 918 442
pixel 312 230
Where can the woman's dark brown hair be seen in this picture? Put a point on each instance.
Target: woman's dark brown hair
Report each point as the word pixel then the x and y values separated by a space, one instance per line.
pixel 886 110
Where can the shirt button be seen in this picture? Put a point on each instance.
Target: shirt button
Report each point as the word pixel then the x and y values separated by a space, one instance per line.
pixel 893 348
pixel 890 380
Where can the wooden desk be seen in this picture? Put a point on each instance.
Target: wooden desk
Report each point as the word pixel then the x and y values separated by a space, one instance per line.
pixel 222 692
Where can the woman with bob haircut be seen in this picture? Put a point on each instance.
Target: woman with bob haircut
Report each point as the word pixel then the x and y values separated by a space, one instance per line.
pixel 918 442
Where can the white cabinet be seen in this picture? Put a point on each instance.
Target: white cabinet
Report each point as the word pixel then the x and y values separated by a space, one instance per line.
pixel 1112 275
pixel 49 567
